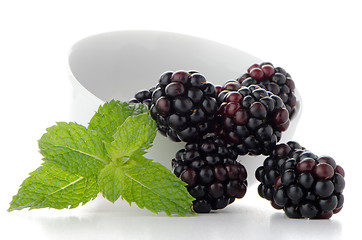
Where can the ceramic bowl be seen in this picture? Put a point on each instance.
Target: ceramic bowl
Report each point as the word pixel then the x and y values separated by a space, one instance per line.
pixel 115 65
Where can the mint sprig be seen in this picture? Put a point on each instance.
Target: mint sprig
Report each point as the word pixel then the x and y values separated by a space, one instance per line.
pixel 106 157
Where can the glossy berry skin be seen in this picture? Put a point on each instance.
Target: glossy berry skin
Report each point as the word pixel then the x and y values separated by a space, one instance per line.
pixel 251 119
pixel 301 183
pixel 183 104
pixel 274 79
pixel 213 176
pixel 143 96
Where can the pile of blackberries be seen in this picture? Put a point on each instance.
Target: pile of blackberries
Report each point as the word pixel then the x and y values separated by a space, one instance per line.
pixel 244 116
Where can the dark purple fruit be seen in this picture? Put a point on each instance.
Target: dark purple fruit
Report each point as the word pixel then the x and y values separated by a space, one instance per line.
pixel 250 119
pixel 304 185
pixel 183 104
pixel 212 174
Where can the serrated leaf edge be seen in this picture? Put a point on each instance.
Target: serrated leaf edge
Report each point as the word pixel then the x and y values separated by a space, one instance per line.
pixel 29 205
pixel 160 196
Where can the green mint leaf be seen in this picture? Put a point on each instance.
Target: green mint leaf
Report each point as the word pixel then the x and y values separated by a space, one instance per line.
pixel 133 137
pixel 148 184
pixel 110 181
pixel 51 186
pixel 111 115
pixel 74 148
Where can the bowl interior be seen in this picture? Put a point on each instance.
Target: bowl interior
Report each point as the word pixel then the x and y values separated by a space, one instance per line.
pixel 116 65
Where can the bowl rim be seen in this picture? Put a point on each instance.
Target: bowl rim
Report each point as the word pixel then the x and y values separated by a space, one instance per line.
pixel 71 70
pixel 75 80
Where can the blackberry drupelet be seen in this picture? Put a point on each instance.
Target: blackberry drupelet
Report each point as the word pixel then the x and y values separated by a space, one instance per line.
pixel 184 105
pixel 273 79
pixel 143 96
pixel 303 184
pixel 250 118
pixel 213 176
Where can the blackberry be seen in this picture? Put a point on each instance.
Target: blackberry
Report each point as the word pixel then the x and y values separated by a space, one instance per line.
pixel 250 118
pixel 273 79
pixel 183 104
pixel 303 184
pixel 213 176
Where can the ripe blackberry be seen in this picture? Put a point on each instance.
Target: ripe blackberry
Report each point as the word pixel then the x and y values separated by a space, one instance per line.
pixel 273 79
pixel 212 174
pixel 303 184
pixel 250 118
pixel 183 104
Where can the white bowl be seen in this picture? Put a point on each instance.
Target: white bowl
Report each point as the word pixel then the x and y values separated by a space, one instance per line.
pixel 115 65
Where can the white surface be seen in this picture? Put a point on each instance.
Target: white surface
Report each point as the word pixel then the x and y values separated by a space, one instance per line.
pixel 318 42
pixel 115 65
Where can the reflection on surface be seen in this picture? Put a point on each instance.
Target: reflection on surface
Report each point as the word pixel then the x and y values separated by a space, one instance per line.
pixel 129 225
pixel 120 221
pixel 284 228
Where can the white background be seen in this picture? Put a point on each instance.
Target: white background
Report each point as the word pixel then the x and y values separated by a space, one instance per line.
pixel 318 42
